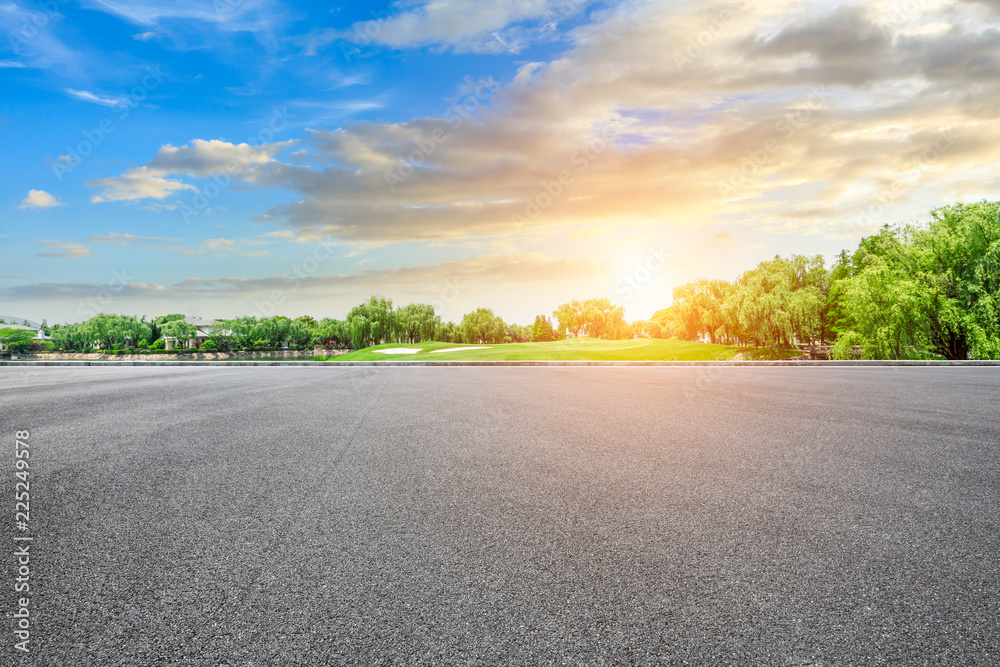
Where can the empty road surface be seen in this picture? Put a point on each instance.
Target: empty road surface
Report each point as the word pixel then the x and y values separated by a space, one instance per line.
pixel 522 516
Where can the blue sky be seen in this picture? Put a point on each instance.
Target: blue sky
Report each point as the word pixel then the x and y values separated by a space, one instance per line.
pixel 239 157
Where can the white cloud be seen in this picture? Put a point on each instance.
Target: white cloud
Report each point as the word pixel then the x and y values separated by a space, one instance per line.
pixel 259 16
pixel 204 158
pixel 138 183
pixel 229 247
pixel 130 240
pixel 463 25
pixel 222 160
pixel 61 250
pixel 30 34
pixel 107 101
pixel 498 269
pixel 279 234
pixel 840 109
pixel 40 199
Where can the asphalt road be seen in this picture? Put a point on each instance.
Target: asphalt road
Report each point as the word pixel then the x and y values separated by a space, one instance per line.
pixel 311 516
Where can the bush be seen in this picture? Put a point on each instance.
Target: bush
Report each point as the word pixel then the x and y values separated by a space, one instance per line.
pixel 208 346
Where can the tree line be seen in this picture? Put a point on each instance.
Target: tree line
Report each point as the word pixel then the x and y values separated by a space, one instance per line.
pixel 778 304
pixel 909 292
pixel 373 322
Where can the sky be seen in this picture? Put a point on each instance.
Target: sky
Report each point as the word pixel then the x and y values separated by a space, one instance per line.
pixel 257 157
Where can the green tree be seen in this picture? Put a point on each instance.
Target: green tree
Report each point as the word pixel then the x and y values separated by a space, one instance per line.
pixel 570 317
pixel 299 333
pixel 483 326
pixel 598 317
pixel 519 334
pixel 542 330
pixel 603 319
pixel 927 288
pixel 647 329
pixel 780 302
pixel 331 333
pixel 69 337
pixel 115 331
pixel 271 331
pixel 16 340
pixel 417 322
pixel 180 331
pixel 371 323
pixel 220 336
pixel 449 333
pixel 236 333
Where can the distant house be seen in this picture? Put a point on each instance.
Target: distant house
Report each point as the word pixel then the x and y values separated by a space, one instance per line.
pixel 203 329
pixel 39 334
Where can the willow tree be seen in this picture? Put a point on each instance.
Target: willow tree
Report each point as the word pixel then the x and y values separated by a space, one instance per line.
pixel 483 326
pixel 780 302
pixel 930 288
pixel 371 323
pixel 237 332
pixel 570 317
pixel 600 318
pixel 330 333
pixel 111 331
pixel 416 322
pixel 180 331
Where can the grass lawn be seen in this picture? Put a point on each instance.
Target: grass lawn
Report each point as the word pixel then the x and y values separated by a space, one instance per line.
pixel 578 349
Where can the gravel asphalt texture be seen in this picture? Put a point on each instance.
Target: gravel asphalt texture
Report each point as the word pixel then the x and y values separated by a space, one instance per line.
pixel 515 516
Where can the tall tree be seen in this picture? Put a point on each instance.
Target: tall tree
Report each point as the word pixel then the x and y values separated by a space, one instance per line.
pixel 371 323
pixel 597 317
pixel 417 322
pixel 179 330
pixel 483 326
pixel 331 333
pixel 16 340
pixel 542 329
pixel 570 317
pixel 927 288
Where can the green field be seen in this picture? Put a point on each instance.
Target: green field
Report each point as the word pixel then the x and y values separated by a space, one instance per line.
pixel 574 349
